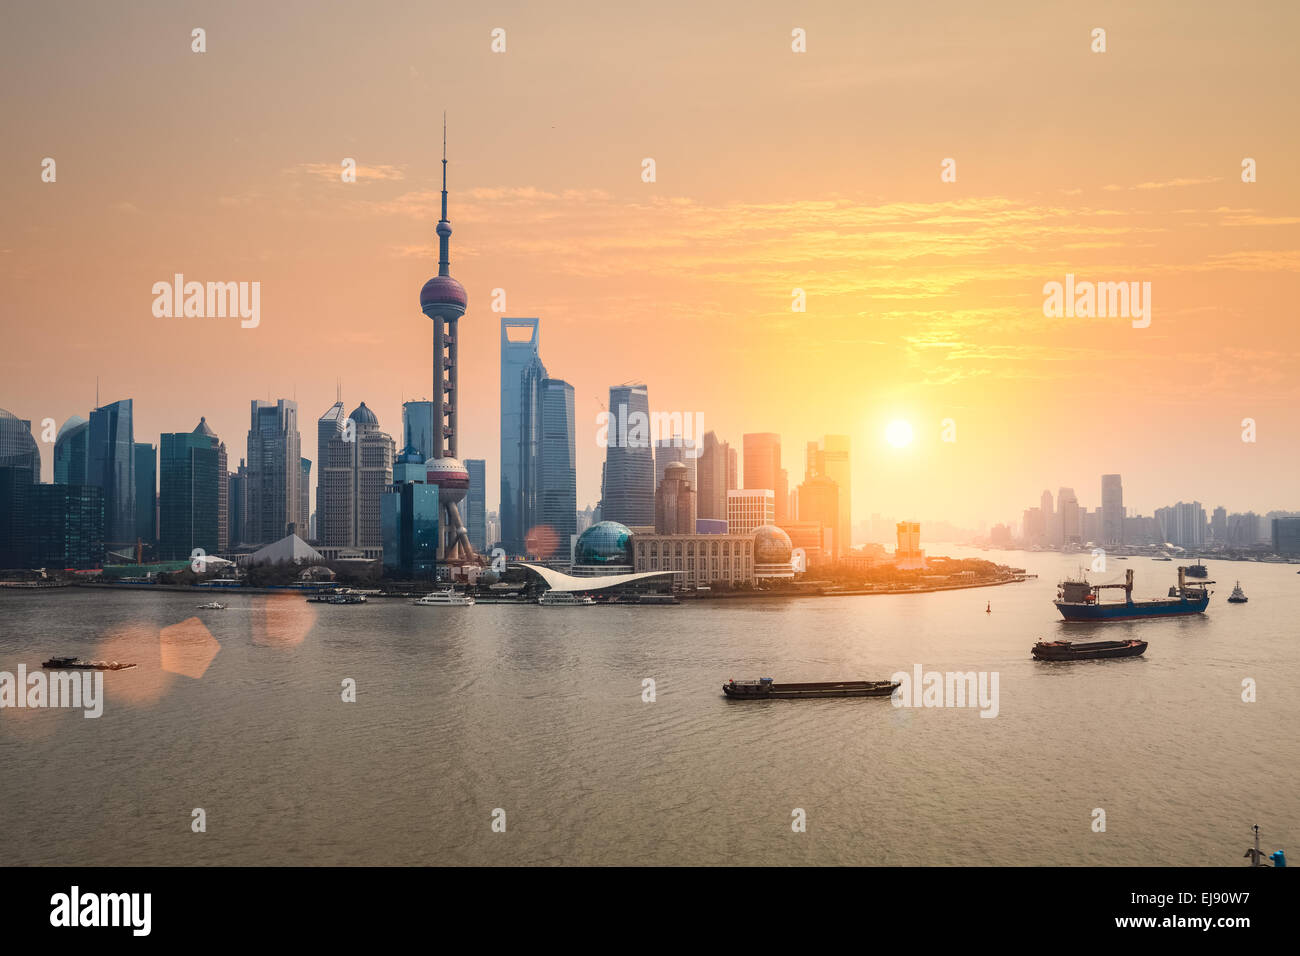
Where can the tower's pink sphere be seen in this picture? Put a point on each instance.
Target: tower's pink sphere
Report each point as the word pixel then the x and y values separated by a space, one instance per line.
pixel 450 476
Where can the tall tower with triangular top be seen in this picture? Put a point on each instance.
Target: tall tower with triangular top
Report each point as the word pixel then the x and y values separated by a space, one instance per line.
pixel 444 301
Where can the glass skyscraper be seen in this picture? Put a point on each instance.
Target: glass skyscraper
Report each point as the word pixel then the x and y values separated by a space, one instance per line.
pixel 629 484
pixel 146 483
pixel 275 477
pixel 408 512
pixel 70 458
pixel 522 372
pixel 188 495
pixel 476 504
pixel 111 468
pixel 417 429
pixel 67 526
pixel 558 497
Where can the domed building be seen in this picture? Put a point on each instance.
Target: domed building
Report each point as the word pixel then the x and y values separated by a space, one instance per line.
pixel 17 446
pixel 604 548
pixel 772 554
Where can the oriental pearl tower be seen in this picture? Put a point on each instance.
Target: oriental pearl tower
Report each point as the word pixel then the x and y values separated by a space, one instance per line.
pixel 444 301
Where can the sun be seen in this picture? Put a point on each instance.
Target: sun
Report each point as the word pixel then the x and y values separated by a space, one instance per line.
pixel 899 433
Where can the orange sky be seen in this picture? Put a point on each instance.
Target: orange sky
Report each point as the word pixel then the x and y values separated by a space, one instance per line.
pixel 775 170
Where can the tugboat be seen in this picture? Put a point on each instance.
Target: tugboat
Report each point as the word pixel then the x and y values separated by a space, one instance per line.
pixel 77 664
pixel 1077 600
pixel 1091 651
pixel 1238 596
pixel 766 689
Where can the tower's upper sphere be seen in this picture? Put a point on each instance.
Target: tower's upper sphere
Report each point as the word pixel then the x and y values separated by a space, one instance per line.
pixel 450 476
pixel 443 296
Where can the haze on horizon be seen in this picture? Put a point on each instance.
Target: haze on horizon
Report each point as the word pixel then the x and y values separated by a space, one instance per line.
pixel 775 171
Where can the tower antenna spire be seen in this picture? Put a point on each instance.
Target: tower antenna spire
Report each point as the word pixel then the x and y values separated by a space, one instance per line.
pixel 444 227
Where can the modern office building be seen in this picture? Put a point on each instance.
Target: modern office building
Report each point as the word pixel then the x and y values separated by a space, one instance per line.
pixel 15 516
pixel 357 471
pixel 417 427
pixel 18 447
pixel 819 503
pixel 557 494
pixel 1183 524
pixel 237 495
pixel 1286 536
pixel 146 493
pixel 909 555
pixel 629 492
pixel 190 471
pixel 522 374
pixel 71 447
pixel 111 467
pixel 303 522
pixel 831 459
pixel 714 477
pixel 274 472
pixel 329 426
pixel 763 467
pixel 675 508
pixel 1112 511
pixel 750 508
pixel 409 513
pixel 443 301
pixel 677 449
pixel 67 526
pixel 476 504
pixel 1069 518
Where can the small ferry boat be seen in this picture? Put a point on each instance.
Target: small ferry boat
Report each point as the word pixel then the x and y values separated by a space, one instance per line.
pixel 765 688
pixel 1090 651
pixel 211 606
pixel 338 597
pixel 447 598
pixel 1238 596
pixel 77 664
pixel 564 599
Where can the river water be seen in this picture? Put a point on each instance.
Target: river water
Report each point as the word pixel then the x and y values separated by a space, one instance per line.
pixel 540 713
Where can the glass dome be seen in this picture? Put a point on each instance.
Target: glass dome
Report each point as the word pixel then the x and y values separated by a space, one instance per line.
pixel 772 545
pixel 604 543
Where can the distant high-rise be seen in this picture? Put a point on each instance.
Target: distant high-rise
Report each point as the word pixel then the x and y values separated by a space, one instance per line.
pixel 146 492
pixel 302 523
pixel 1068 519
pixel 417 427
pixel 111 468
pixel 476 504
pixel 409 512
pixel 1286 536
pixel 629 497
pixel 763 467
pixel 1184 524
pixel 356 471
pixel 676 448
pixel 274 472
pixel 189 469
pixel 830 458
pixel 67 526
pixel 71 452
pixel 675 509
pixel 522 373
pixel 237 494
pixel 711 484
pixel 557 501
pixel 18 447
pixel 1112 511
pixel 223 483
pixel 819 501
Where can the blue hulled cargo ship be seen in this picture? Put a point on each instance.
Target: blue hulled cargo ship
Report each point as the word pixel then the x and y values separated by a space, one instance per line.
pixel 1081 601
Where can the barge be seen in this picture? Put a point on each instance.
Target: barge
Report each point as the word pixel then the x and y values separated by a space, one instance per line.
pixel 765 688
pixel 1089 651
pixel 77 664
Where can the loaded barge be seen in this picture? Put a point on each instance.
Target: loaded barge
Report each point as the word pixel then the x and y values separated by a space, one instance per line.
pixel 765 688
pixel 1091 651
pixel 1081 601
pixel 77 664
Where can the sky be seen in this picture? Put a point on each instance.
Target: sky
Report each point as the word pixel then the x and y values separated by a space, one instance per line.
pixel 775 170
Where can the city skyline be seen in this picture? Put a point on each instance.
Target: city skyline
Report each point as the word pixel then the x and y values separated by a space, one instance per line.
pixel 924 298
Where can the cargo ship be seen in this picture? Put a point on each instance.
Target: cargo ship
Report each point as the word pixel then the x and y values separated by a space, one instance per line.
pixel 1077 600
pixel 1198 570
pixel 1091 651
pixel 765 688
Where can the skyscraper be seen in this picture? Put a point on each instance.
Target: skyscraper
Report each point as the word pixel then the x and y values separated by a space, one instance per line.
pixel 146 492
pixel 356 471
pixel 409 519
pixel 819 501
pixel 71 452
pixel 189 487
pixel 476 504
pixel 629 492
pixel 443 301
pixel 223 483
pixel 417 426
pixel 111 468
pixel 711 478
pixel 522 373
pixel 679 449
pixel 763 464
pixel 557 467
pixel 675 507
pixel 274 472
pixel 1067 515
pixel 302 523
pixel 1112 511
pixel 835 465
pixel 18 447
